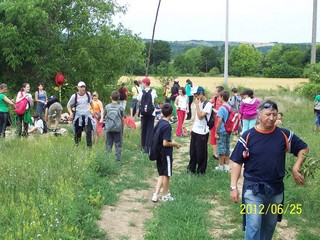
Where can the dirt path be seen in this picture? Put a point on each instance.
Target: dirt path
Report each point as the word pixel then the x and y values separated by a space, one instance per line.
pixel 126 219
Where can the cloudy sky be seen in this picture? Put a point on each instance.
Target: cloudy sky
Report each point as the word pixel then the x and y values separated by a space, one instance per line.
pixel 288 21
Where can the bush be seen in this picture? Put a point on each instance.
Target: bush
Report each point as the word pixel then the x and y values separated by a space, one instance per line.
pixel 283 71
pixel 214 72
pixel 309 90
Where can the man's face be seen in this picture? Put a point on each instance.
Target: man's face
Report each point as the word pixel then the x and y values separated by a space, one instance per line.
pixel 82 89
pixel 268 117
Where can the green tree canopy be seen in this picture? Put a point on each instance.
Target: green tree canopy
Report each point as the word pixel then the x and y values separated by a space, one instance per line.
pixel 244 60
pixel 40 38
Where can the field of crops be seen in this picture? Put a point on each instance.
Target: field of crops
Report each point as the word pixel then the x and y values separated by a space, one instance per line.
pixel 212 82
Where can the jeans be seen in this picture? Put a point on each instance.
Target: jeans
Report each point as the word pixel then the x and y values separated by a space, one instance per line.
pixel 261 226
pixel 317 122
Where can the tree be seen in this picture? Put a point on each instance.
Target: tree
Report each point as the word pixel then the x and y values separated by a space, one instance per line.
pixel 244 60
pixel 161 52
pixel 41 38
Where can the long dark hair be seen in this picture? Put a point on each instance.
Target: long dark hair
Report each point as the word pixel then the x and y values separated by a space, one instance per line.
pixel 189 82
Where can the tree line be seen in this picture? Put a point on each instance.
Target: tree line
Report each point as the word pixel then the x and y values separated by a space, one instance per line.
pixel 281 61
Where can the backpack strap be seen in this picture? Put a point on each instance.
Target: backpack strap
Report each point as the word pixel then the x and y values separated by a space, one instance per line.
pixel 203 106
pixel 228 109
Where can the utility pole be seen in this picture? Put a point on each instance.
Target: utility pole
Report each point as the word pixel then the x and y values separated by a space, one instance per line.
pixel 226 46
pixel 314 32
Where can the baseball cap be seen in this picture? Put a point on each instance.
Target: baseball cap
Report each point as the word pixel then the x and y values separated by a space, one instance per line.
pixel 146 81
pixel 176 80
pixel 198 89
pixel 80 84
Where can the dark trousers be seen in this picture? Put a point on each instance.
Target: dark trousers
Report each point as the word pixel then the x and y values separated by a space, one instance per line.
pixel 22 131
pixel 3 123
pixel 147 124
pixel 189 115
pixel 198 153
pixel 78 131
pixel 116 138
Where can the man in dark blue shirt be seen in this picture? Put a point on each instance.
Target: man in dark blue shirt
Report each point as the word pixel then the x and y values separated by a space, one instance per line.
pixel 262 150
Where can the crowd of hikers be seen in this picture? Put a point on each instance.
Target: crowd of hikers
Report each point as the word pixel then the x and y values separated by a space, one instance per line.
pixel 261 146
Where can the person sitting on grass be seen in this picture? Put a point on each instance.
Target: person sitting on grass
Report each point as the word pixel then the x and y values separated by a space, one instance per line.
pixel 164 161
pixel 38 125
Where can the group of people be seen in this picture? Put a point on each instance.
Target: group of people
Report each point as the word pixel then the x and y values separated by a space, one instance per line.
pixel 261 149
pixel 48 109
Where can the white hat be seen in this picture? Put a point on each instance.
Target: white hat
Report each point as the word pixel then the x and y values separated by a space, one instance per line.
pixel 80 84
pixel 176 80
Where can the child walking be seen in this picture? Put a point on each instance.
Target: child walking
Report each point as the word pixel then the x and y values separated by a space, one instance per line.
pixel 164 161
pixel 114 124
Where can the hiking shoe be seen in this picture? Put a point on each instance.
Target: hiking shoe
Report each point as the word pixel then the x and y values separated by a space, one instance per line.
pixel 219 168
pixel 154 197
pixel 227 168
pixel 167 198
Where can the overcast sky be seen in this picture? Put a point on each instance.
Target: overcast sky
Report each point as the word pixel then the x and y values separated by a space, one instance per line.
pixel 288 21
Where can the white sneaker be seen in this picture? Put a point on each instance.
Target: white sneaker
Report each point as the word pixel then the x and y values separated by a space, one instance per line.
pixel 167 198
pixel 154 197
pixel 227 168
pixel 219 168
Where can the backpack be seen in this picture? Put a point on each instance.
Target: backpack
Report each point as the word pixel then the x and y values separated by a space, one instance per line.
pixel 113 121
pixel 76 98
pixel 21 106
pixel 210 121
pixel 122 94
pixel 233 121
pixel 147 107
pixel 154 150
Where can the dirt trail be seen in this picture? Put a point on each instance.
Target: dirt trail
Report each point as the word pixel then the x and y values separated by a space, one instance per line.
pixel 126 219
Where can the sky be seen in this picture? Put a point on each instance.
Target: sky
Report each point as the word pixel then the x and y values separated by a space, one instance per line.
pixel 285 21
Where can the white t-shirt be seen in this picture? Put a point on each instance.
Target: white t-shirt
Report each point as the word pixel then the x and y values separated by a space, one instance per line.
pixel 39 125
pixel 182 102
pixel 153 95
pixel 200 126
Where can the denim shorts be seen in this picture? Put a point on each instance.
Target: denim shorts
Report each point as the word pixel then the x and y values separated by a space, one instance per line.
pixel 224 144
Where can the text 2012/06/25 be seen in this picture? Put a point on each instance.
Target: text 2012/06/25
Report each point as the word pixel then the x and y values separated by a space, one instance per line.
pixel 292 208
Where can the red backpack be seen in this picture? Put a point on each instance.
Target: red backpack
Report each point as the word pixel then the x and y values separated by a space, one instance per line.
pixel 233 122
pixel 21 106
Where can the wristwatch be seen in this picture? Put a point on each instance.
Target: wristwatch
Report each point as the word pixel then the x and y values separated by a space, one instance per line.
pixel 233 188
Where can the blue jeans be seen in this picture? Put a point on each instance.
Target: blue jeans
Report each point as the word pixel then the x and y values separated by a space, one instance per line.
pixel 317 122
pixel 261 226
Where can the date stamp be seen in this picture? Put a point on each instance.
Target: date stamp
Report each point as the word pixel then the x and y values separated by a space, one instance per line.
pixel 291 208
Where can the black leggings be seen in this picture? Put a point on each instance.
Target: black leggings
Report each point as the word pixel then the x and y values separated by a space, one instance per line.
pixel 3 123
pixel 87 128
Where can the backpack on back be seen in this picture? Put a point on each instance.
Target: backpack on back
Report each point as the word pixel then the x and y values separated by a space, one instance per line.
pixel 154 150
pixel 147 107
pixel 233 121
pixel 113 121
pixel 210 121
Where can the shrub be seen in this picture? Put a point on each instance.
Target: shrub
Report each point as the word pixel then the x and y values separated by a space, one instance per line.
pixel 283 71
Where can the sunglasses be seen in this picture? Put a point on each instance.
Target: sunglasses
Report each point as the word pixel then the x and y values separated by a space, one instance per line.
pixel 268 105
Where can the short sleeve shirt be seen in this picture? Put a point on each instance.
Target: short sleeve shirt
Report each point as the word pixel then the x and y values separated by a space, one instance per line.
pixel 266 161
pixel 3 104
pixel 83 105
pixel 165 135
pixel 223 113
pixel 200 125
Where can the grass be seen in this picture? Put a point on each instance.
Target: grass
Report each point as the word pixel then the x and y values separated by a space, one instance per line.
pixel 51 189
